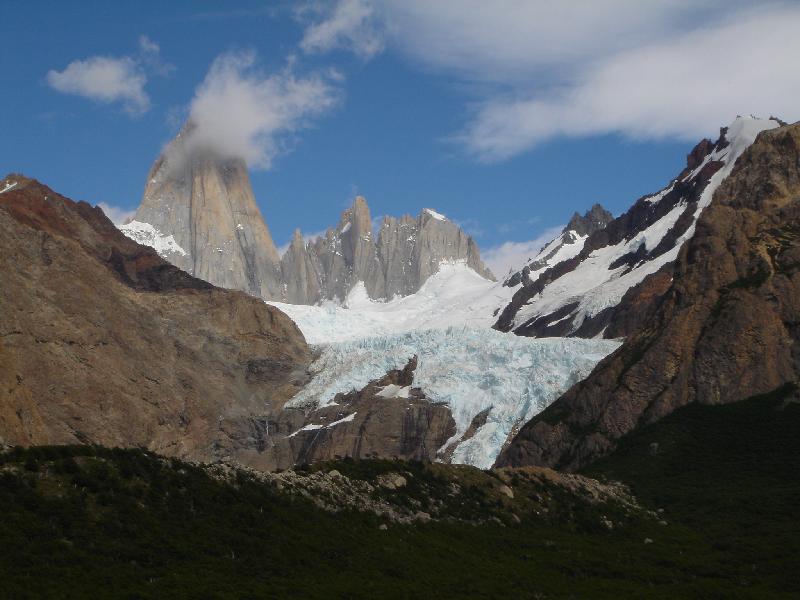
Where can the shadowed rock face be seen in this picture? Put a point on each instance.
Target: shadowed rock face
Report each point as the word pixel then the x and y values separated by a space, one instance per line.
pixel 725 330
pixel 102 341
pixel 206 203
pixel 595 219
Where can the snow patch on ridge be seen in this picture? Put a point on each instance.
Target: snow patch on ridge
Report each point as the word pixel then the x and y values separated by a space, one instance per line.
pixel 434 214
pixel 314 426
pixel 567 245
pixel 10 185
pixel 395 391
pixel 147 235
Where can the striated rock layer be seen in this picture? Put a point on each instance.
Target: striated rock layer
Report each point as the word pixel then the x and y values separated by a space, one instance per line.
pixel 726 328
pixel 102 341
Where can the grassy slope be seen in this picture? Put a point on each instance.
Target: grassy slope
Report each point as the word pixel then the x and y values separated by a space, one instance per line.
pixel 84 522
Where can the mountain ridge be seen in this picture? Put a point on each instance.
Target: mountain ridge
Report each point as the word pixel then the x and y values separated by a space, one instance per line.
pixel 580 292
pixel 198 211
pixel 724 330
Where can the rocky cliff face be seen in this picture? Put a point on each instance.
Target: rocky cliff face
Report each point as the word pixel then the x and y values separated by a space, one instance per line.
pixel 411 250
pixel 724 330
pixel 102 341
pixel 199 213
pixel 578 284
pixel 406 252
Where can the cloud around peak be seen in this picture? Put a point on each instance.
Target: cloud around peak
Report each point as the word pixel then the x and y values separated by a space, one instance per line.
pixel 238 111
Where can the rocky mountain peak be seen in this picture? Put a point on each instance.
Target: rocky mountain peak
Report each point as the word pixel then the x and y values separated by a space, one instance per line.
pixel 581 288
pixel 594 219
pixel 199 212
pixel 205 205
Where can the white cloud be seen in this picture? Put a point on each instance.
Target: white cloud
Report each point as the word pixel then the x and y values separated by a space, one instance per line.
pixel 150 55
pixel 513 255
pixel 348 24
pixel 682 88
pixel 238 111
pixel 104 79
pixel 148 46
pixel 514 40
pixel 534 70
pixel 109 79
pixel 119 216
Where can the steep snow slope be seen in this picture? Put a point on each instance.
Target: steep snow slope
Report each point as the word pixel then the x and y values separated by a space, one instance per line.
pixel 460 361
pixel 574 288
pixel 566 245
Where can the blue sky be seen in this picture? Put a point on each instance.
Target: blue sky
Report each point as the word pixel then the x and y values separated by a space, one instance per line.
pixel 506 116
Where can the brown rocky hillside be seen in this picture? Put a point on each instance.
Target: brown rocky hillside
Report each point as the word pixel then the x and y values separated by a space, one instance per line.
pixel 104 342
pixel 728 327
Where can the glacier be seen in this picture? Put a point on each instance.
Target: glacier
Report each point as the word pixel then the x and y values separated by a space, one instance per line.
pixel 461 361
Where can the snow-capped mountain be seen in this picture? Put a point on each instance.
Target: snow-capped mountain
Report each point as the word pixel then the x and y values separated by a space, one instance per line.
pixel 578 283
pixel 568 244
pixel 199 213
pixel 724 330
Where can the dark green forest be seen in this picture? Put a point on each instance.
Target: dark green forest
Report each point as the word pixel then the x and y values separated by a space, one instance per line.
pixel 90 522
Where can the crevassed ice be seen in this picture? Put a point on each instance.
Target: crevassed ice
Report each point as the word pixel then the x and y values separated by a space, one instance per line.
pixel 461 361
pixel 468 369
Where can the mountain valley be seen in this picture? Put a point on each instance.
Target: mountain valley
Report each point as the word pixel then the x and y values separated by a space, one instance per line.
pixel 393 387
